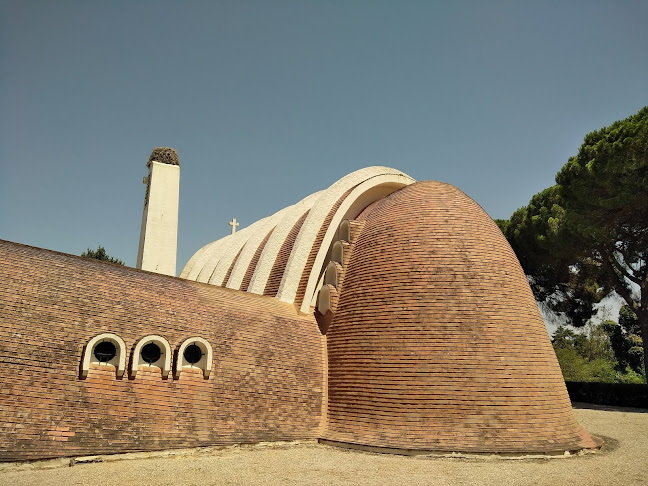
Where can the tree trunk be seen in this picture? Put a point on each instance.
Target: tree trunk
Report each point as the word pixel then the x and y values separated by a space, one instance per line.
pixel 642 318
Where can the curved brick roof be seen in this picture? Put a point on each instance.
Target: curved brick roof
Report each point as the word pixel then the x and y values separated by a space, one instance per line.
pixel 437 342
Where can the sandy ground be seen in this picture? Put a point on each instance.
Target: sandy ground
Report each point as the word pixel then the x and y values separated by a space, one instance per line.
pixel 622 461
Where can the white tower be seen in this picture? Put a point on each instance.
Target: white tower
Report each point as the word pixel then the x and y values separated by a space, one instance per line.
pixel 159 234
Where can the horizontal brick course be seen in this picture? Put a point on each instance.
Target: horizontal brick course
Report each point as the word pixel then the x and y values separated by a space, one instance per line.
pixel 434 342
pixel 265 384
pixel 437 342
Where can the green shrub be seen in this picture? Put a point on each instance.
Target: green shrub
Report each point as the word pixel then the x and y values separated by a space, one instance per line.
pixel 590 356
pixel 100 254
pixel 576 368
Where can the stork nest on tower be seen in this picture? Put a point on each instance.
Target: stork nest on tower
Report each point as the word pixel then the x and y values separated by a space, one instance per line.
pixel 165 155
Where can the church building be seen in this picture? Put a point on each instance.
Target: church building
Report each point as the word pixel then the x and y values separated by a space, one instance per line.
pixel 380 313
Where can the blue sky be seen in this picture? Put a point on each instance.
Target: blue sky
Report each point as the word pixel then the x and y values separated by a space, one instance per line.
pixel 267 102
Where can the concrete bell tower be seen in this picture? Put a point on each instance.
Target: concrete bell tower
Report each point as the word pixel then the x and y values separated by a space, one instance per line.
pixel 159 234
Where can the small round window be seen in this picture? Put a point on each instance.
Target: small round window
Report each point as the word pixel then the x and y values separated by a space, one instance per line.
pixel 192 353
pixel 151 353
pixel 105 351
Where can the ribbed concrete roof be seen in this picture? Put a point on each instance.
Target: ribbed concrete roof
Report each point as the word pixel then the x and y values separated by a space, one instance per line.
pixel 437 342
pixel 284 254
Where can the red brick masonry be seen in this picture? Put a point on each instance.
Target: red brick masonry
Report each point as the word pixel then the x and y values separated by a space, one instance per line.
pixel 437 342
pixel 265 385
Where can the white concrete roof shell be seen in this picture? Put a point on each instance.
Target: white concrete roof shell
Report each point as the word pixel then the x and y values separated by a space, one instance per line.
pixel 198 272
pixel 195 268
pixel 315 220
pixel 222 257
pixel 211 263
pixel 370 184
pixel 243 261
pixel 273 245
pixel 196 262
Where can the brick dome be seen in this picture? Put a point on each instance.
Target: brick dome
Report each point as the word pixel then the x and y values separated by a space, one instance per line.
pixel 437 343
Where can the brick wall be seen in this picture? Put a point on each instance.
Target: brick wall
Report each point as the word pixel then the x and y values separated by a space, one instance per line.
pixel 265 384
pixel 437 342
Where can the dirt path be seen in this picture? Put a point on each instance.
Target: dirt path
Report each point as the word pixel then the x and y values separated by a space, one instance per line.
pixel 622 464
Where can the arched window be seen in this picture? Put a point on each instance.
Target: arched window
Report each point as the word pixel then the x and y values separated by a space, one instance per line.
pixel 344 232
pixel 151 351
pixel 326 299
pixel 194 353
pixel 331 274
pixel 337 253
pixel 104 349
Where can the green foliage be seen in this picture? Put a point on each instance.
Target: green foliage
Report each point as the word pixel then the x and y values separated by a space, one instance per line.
pixel 502 224
pixel 565 338
pixel 100 254
pixel 628 320
pixel 576 368
pixel 625 340
pixel 587 236
pixel 596 344
pixel 546 251
pixel 588 356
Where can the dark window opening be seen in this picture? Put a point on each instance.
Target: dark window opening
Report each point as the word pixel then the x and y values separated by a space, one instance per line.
pixel 105 351
pixel 151 353
pixel 192 353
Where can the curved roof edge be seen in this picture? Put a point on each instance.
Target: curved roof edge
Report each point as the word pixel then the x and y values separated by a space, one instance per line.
pixel 275 242
pixel 232 257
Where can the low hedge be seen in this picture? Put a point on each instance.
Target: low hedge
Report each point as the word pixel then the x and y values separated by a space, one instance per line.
pixel 620 394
